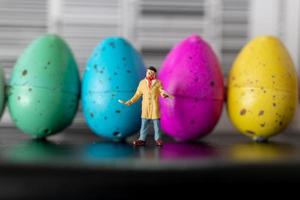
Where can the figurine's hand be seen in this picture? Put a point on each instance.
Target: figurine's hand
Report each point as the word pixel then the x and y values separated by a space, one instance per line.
pixel 164 95
pixel 127 103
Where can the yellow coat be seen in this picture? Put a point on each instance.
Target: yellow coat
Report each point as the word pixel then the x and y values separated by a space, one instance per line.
pixel 150 104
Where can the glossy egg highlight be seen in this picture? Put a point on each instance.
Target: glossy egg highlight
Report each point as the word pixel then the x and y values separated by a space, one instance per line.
pixel 262 89
pixel 113 72
pixel 44 87
pixel 191 73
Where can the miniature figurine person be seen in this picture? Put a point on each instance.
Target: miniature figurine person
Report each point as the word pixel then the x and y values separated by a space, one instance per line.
pixel 150 89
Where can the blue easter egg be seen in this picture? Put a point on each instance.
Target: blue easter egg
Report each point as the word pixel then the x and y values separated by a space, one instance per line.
pixel 113 72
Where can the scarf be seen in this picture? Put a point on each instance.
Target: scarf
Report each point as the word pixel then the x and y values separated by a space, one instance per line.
pixel 150 79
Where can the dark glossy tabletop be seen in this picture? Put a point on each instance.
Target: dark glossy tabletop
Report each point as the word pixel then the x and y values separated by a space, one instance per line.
pixel 77 162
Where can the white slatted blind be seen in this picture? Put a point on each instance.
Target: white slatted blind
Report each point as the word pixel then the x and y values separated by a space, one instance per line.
pixel 20 22
pixel 163 23
pixel 85 23
pixel 153 26
pixel 235 22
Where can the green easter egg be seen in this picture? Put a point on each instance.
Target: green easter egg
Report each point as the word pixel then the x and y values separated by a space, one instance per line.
pixel 44 87
pixel 2 91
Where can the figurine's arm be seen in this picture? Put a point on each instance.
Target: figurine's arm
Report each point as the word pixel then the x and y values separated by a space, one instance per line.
pixel 135 97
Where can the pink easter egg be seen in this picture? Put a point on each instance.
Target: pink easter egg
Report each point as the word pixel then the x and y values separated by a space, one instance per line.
pixel 191 73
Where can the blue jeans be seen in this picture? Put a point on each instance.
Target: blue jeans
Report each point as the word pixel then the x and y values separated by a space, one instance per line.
pixel 143 131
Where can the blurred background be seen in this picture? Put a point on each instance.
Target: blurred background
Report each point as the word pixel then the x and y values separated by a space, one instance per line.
pixel 152 26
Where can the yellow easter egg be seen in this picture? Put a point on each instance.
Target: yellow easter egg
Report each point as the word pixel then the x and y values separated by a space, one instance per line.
pixel 262 89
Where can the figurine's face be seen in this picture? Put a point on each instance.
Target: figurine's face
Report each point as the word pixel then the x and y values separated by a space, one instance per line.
pixel 150 74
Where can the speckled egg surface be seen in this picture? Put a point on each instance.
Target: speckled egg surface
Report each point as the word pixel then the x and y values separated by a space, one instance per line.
pixel 262 89
pixel 2 91
pixel 191 72
pixel 113 72
pixel 44 87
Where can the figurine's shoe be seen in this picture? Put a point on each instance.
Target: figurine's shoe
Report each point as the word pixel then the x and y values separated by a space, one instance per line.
pixel 159 142
pixel 139 143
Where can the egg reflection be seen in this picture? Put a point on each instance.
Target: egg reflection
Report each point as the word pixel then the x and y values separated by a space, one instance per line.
pixel 38 151
pixel 108 151
pixel 254 152
pixel 173 151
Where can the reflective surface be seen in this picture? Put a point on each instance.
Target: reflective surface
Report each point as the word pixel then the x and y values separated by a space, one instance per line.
pixel 78 164
pixel 82 149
